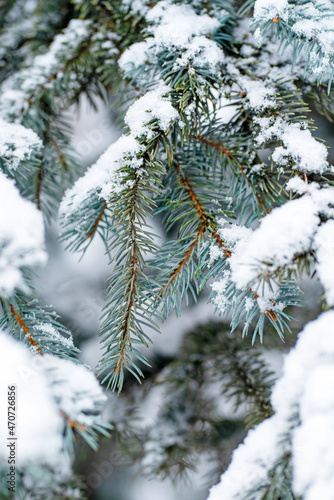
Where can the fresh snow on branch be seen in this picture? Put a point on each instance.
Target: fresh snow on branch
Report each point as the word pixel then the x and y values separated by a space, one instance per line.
pixel 324 252
pixel 176 28
pixel 289 231
pixel 155 104
pixel 298 144
pixel 285 233
pixel 39 423
pixel 303 400
pixel 16 90
pixel 17 143
pixel 75 389
pixel 312 22
pixel 103 177
pixel 53 394
pixel 21 236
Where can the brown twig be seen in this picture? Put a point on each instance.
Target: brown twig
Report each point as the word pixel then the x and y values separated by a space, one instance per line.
pixel 205 223
pixel 228 153
pixel 173 275
pixel 97 221
pixel 215 145
pixel 24 327
pixel 206 220
pixel 73 423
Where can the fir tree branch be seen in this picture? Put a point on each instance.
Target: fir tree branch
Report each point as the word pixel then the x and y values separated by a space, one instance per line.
pixel 73 423
pixel 229 154
pixel 129 287
pixel 206 220
pixel 207 223
pixel 130 293
pixel 95 225
pixel 24 327
pixel 215 145
pixel 178 269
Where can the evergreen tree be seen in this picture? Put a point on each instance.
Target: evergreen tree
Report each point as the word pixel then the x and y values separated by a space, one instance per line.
pixel 219 155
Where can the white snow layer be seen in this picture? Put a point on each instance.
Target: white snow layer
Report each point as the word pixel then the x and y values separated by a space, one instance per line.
pixel 15 91
pixel 269 9
pixel 76 390
pixel 21 236
pixel 176 27
pixel 39 425
pixel 298 144
pixel 49 392
pixel 283 234
pixel 103 178
pixel 17 143
pixel 287 231
pixel 303 401
pixel 312 21
pixel 324 251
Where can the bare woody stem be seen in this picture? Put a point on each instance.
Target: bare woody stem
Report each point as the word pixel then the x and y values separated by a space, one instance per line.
pixel 178 269
pixel 228 153
pixel 73 423
pixel 24 327
pixel 215 145
pixel 94 227
pixel 206 222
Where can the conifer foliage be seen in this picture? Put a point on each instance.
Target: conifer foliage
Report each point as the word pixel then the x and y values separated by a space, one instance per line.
pixel 219 154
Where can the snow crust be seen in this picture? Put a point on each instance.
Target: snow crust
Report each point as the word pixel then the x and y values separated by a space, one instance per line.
pixel 21 236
